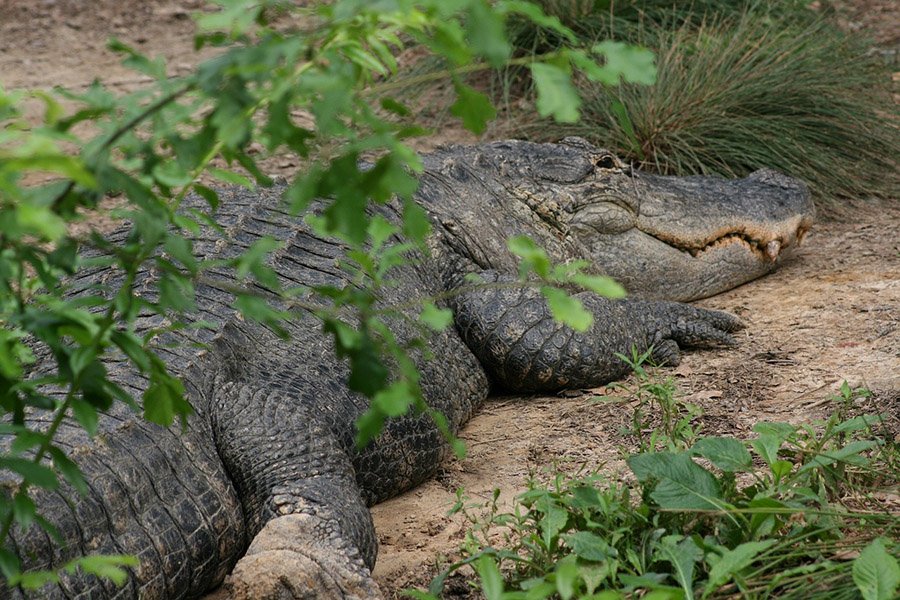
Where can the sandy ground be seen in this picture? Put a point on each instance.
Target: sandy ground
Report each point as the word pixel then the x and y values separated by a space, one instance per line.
pixel 831 313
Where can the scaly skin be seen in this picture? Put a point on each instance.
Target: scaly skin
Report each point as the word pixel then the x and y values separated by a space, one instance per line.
pixel 269 459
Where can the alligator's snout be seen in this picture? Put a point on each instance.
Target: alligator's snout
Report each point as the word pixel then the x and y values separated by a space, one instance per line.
pixel 692 237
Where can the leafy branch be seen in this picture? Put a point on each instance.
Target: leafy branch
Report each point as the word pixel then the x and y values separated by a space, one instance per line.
pixel 157 144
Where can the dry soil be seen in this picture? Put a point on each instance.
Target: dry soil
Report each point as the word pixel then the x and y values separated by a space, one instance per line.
pixel 830 314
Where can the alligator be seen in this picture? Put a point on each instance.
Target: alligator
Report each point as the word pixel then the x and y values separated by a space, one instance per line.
pixel 266 483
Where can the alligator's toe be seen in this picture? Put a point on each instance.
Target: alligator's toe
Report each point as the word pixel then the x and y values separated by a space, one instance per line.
pixel 666 353
pixel 703 328
pixel 286 562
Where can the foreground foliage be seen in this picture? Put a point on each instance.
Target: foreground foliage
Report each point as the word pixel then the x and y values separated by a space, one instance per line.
pixel 333 63
pixel 789 514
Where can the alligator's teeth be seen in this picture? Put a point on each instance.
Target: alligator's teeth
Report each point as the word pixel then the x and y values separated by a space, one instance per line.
pixel 772 249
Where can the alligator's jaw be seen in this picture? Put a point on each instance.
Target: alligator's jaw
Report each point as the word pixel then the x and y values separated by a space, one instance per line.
pixel 695 237
pixel 651 268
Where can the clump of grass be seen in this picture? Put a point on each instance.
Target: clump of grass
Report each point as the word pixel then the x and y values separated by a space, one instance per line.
pixel 734 95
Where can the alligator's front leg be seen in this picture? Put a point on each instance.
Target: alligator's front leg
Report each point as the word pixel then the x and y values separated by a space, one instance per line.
pixel 512 332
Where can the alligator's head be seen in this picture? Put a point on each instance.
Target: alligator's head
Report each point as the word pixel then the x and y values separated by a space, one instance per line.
pixel 677 238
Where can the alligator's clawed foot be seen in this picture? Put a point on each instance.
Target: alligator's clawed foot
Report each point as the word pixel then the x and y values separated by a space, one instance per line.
pixel 700 327
pixel 690 326
pixel 288 560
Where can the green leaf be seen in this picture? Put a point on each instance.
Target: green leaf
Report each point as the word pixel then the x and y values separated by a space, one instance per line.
pixel 231 177
pixel 257 309
pixel 395 106
pixel 876 573
pixel 486 34
pixel 537 16
pixel 556 96
pixel 534 258
pixel 133 348
pixel 491 579
pixel 67 166
pixel 10 354
pixel 171 174
pixel 35 580
pixel 255 255
pixel 728 454
pixel 599 284
pixel 33 473
pixel 137 61
pixel 26 439
pixel 567 309
pixel 105 566
pixel 436 318
pixel 81 358
pixel 416 225
pixel 9 563
pixel 771 437
pixel 767 513
pixel 681 484
pixel 732 562
pixel 447 38
pixel 553 519
pixel 589 546
pixel 380 231
pixel 566 573
pixel 208 194
pixel 23 509
pixel 368 374
pixel 176 292
pixel 852 453
pixel 620 112
pixel 472 107
pixel 86 415
pixel 632 64
pixel 346 338
pixel 181 249
pixel 395 400
pixel 164 400
pixel 41 220
pixel 683 554
pixel 53 110
pixel 420 595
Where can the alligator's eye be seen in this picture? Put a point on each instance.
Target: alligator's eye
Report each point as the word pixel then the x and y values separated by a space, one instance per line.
pixel 605 162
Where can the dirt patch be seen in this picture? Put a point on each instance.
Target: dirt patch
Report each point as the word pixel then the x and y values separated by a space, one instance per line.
pixel 831 313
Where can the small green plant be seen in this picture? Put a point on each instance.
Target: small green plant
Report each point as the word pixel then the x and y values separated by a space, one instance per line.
pixel 764 518
pixel 676 426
